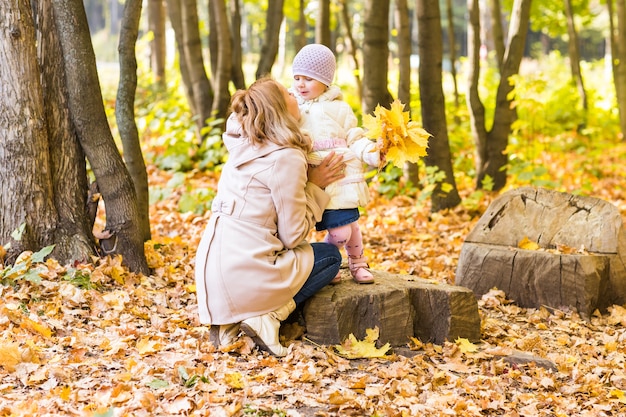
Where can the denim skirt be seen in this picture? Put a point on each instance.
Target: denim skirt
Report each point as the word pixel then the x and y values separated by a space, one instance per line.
pixel 335 218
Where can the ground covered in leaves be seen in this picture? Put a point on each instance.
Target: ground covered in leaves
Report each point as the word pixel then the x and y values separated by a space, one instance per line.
pixel 96 340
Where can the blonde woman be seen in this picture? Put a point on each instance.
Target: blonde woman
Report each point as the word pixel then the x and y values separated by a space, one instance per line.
pixel 253 264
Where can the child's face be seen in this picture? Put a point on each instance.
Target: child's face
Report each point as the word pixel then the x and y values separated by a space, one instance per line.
pixel 307 87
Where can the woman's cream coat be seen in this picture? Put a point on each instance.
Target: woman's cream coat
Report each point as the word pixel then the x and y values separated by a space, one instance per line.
pixel 332 125
pixel 253 257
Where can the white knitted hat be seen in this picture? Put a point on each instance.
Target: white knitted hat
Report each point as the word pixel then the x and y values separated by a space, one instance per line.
pixel 315 61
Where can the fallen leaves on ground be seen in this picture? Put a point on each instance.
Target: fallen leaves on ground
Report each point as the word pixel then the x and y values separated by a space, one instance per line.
pixel 121 344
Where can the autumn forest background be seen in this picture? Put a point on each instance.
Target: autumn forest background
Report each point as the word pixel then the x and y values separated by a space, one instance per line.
pixel 85 332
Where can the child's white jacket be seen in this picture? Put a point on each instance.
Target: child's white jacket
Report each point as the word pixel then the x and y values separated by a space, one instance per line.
pixel 332 125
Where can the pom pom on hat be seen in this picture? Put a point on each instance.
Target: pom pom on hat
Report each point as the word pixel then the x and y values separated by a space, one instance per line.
pixel 315 61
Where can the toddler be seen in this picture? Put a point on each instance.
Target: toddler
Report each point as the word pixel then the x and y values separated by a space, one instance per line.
pixel 332 125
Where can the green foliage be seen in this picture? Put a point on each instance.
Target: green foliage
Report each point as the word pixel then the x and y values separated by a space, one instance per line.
pixel 391 182
pixel 26 268
pixel 194 200
pixel 250 410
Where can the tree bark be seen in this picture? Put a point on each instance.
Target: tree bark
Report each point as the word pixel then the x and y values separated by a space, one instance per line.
pixel 223 71
pixel 299 40
pixel 156 24
pixel 89 119
pixel 497 30
pixel 352 47
pixel 269 50
pixel 73 238
pixel 125 112
pixel 574 58
pixel 474 103
pixel 235 34
pixel 490 144
pixel 497 137
pixel 25 168
pixel 375 55
pixel 192 49
pixel 452 47
pixel 430 44
pixel 322 24
pixel 618 58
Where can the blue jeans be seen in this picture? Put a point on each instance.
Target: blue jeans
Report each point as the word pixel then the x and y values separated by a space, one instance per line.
pixel 325 268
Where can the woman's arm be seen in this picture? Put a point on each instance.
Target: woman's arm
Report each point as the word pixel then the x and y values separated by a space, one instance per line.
pixel 329 170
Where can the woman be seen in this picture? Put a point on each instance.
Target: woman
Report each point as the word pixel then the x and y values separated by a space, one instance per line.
pixel 253 264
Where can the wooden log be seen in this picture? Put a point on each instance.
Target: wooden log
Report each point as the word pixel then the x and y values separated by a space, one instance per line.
pixel 400 306
pixel 594 278
pixel 534 278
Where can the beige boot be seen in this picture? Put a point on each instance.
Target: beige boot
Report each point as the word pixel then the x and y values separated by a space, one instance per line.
pixel 223 335
pixel 264 329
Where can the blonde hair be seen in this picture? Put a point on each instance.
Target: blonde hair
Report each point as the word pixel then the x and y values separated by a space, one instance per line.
pixel 264 116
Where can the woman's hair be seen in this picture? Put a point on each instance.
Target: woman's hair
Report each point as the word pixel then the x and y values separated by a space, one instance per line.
pixel 264 116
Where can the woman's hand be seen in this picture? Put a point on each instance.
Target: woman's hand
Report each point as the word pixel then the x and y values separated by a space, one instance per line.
pixel 328 171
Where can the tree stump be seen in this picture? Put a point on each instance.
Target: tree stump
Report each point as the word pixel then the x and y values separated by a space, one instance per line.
pixel 400 306
pixel 589 279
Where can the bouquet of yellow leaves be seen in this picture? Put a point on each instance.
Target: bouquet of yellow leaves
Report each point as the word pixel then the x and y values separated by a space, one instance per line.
pixel 399 139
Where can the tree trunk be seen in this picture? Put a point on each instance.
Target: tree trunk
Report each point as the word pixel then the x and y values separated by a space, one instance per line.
pixel 618 55
pixel 156 24
pixel 221 76
pixel 237 75
pixel 498 136
pixel 490 145
pixel 125 112
pixel 411 170
pixel 299 39
pixel 269 50
pixel 430 44
pixel 26 193
pixel 375 55
pixel 475 105
pixel 452 46
pixel 322 23
pixel 174 13
pixel 574 58
pixel 497 31
pixel 89 119
pixel 352 48
pixel 194 62
pixel 74 241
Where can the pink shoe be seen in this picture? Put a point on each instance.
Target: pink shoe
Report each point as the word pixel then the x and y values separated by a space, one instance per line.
pixel 360 271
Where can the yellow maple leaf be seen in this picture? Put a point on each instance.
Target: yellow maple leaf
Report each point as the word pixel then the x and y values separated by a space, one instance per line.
pixel 399 139
pixel 234 380
pixel 145 346
pixel 527 244
pixel 9 355
pixel 351 348
pixel 465 345
pixel 36 327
